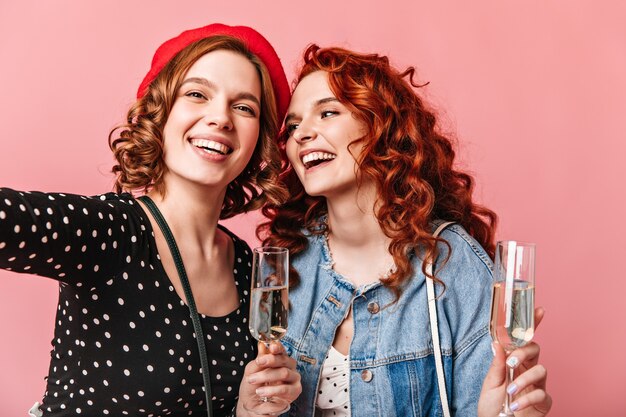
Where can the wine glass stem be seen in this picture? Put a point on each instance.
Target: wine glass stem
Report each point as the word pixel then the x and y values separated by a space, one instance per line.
pixel 267 348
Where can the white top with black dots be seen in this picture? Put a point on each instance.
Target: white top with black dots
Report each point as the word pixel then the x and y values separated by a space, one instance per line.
pixel 123 342
pixel 333 396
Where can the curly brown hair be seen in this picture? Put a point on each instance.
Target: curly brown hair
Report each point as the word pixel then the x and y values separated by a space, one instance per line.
pixel 138 144
pixel 404 154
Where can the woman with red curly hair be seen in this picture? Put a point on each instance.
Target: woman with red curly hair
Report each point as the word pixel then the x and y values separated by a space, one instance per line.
pixel 153 293
pixel 373 186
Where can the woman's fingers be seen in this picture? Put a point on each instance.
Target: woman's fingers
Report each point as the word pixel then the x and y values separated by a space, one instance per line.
pixel 539 313
pixel 275 361
pixel 277 382
pixel 533 377
pixel 538 399
pixel 276 348
pixel 496 375
pixel 527 355
pixel 274 376
pixel 273 373
pixel 288 392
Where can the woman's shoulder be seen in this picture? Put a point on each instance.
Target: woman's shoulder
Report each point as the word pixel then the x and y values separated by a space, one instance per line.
pixel 316 250
pixel 465 269
pixel 115 198
pixel 120 201
pixel 126 206
pixel 462 248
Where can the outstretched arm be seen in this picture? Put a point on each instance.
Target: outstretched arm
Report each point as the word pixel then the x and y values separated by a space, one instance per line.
pixel 67 237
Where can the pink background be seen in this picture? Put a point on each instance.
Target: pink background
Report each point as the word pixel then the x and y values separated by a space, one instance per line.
pixel 535 91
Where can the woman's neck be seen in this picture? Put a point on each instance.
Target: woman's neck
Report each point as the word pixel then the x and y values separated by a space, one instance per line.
pixel 352 219
pixel 355 235
pixel 190 211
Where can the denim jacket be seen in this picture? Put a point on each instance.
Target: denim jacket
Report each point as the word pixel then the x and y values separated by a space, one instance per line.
pixel 392 366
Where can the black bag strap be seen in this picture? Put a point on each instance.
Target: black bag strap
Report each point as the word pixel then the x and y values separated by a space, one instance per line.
pixel 195 318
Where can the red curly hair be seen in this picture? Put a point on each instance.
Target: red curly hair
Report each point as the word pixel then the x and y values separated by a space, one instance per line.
pixel 404 153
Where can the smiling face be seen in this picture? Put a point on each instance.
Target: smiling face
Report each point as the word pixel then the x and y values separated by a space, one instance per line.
pixel 320 130
pixel 213 126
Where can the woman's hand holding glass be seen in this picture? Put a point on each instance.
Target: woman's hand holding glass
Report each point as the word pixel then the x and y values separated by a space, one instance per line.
pixel 513 323
pixel 528 388
pixel 268 320
pixel 271 374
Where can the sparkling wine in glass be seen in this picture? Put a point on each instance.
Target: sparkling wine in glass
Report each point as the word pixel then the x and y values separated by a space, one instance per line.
pixel 513 301
pixel 269 306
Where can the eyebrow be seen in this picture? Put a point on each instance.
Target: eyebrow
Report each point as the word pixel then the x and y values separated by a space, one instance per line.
pixel 212 86
pixel 316 104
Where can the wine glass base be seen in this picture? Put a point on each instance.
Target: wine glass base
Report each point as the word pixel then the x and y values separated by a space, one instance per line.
pixel 505 414
pixel 263 406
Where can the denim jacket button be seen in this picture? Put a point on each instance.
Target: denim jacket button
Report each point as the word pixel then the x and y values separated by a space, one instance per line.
pixel 367 375
pixel 373 307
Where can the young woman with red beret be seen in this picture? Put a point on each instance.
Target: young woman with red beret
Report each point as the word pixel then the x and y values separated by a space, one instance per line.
pixel 149 286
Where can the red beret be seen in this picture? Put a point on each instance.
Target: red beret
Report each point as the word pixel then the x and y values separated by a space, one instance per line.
pixel 253 40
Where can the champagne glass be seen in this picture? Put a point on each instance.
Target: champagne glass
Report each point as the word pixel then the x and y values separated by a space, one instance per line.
pixel 269 306
pixel 513 301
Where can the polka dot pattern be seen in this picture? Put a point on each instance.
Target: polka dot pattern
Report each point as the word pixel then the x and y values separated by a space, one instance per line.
pixel 123 343
pixel 333 397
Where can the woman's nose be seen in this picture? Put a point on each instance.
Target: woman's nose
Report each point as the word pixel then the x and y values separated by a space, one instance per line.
pixel 304 133
pixel 218 115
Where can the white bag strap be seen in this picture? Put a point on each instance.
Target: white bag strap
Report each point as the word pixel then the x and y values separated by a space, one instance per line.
pixel 434 329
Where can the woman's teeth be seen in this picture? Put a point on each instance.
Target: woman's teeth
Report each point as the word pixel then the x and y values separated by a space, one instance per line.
pixel 211 146
pixel 314 158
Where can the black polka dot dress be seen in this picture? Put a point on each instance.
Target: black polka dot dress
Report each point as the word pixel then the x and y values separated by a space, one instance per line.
pixel 124 343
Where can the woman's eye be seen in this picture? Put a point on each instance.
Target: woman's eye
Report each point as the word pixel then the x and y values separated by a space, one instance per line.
pixel 328 113
pixel 246 109
pixel 195 94
pixel 291 127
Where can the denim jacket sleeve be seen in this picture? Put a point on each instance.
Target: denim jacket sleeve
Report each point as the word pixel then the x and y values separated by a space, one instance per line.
pixel 465 304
